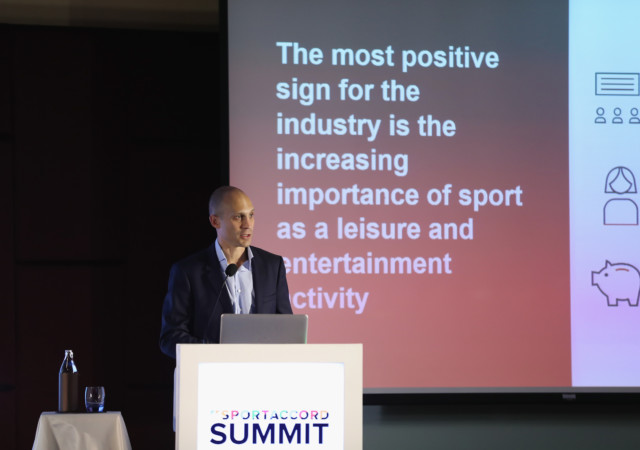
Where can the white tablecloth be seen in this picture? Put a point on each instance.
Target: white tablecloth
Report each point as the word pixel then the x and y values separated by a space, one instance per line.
pixel 87 431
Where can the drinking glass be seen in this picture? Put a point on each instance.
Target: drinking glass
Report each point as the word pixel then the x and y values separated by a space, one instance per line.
pixel 94 398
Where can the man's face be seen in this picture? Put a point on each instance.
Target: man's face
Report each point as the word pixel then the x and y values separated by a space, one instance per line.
pixel 234 221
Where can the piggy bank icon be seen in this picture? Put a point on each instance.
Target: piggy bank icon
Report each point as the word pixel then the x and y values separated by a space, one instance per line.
pixel 618 282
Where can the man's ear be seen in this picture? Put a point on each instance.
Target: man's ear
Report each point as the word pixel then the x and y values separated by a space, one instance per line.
pixel 214 221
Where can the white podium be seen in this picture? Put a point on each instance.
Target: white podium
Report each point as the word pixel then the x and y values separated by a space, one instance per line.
pixel 269 395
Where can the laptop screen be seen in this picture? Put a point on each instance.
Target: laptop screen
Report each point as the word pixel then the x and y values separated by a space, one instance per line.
pixel 263 329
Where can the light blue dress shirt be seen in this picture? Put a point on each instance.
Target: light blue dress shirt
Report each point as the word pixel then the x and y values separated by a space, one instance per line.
pixel 239 286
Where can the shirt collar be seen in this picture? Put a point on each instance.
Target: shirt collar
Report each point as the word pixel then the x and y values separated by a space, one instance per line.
pixel 223 259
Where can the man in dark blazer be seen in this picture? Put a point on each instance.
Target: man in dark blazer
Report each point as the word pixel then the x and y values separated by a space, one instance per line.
pixel 198 294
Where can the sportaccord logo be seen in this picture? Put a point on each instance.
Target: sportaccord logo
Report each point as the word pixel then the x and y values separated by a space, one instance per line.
pixel 263 426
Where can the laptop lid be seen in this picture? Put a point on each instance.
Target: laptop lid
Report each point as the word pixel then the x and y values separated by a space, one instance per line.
pixel 263 329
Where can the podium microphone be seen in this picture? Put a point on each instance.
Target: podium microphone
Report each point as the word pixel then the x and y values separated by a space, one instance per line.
pixel 228 272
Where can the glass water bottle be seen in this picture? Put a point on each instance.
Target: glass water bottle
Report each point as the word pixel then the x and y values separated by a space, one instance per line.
pixel 68 399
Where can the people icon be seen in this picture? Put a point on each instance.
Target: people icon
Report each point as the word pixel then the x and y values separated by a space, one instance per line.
pixel 620 211
pixel 600 113
pixel 634 116
pixel 617 118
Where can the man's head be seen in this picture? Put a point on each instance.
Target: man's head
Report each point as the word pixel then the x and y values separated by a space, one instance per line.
pixel 231 214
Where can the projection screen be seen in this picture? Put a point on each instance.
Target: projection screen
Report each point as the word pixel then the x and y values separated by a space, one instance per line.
pixel 451 183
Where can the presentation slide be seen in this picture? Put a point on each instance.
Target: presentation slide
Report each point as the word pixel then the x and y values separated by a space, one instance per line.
pixel 451 183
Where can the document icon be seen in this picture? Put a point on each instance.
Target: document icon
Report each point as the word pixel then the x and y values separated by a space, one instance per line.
pixel 617 83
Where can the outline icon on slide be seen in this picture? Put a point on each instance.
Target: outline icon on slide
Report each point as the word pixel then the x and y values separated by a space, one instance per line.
pixel 618 282
pixel 617 112
pixel 620 180
pixel 620 211
pixel 618 84
pixel 617 116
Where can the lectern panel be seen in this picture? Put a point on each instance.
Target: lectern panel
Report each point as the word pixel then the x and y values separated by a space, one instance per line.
pixel 252 396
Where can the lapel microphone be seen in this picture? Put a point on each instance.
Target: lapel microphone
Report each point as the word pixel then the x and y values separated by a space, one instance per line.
pixel 228 272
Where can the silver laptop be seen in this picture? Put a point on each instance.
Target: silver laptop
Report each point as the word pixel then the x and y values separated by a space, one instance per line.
pixel 263 329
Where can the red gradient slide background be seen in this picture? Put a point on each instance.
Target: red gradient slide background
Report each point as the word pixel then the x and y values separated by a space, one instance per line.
pixel 501 317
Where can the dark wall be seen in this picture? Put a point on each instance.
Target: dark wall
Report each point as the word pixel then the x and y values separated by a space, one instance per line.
pixel 109 149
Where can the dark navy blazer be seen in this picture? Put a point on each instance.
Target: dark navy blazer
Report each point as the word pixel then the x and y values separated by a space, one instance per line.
pixel 191 314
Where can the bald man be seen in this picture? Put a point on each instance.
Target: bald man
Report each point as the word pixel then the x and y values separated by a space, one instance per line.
pixel 198 294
